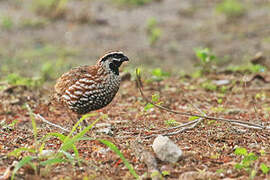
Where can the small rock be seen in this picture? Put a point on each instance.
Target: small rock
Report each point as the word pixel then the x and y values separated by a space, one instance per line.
pixel 166 149
pixel 222 82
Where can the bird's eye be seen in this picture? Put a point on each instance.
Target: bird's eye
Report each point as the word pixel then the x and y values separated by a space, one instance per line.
pixel 115 56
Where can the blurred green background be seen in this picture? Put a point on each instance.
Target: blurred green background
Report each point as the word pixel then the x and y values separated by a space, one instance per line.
pixel 44 38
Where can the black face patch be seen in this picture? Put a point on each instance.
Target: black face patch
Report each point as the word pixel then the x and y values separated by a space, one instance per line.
pixel 114 67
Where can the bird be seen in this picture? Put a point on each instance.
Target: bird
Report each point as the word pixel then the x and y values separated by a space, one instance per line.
pixel 87 88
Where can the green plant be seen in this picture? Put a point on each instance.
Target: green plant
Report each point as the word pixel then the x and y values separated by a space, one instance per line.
pixel 50 70
pixel 247 162
pixel 207 59
pixel 264 168
pixel 6 22
pixel 248 68
pixel 248 158
pixel 50 8
pixel 165 173
pixel 157 75
pixel 171 122
pixel 118 152
pixel 35 154
pixel 133 2
pixel 155 99
pixel 37 157
pixel 153 31
pixel 34 23
pixel 231 8
pixel 15 79
pixel 209 86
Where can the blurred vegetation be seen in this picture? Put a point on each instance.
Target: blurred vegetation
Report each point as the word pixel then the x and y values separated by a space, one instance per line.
pixel 34 23
pixel 6 22
pixel 231 8
pixel 133 2
pixel 50 8
pixel 153 31
pixel 45 62
pixel 16 79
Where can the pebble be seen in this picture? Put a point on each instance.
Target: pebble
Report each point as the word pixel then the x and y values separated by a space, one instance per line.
pixel 166 150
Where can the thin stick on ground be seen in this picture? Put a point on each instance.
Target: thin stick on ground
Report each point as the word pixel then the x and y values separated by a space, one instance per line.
pixel 50 123
pixel 233 121
pixel 183 127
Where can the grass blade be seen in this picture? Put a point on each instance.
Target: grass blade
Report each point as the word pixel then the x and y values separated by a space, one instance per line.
pixel 17 152
pixel 34 125
pixel 118 152
pixel 52 161
pixel 68 143
pixel 21 163
pixel 77 124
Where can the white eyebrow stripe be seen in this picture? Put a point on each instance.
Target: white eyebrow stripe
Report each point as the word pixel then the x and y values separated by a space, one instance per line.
pixel 115 52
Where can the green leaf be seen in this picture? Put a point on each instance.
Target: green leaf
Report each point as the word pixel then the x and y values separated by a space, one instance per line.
pixel 264 168
pixel 17 152
pixel 238 166
pixel 253 173
pixel 155 97
pixel 262 152
pixel 251 157
pixel 13 123
pixel 165 173
pixel 34 125
pixel 118 152
pixel 148 107
pixel 69 142
pixel 77 124
pixel 68 155
pixel 192 118
pixel 49 135
pixel 52 161
pixel 241 151
pixel 25 160
pixel 138 71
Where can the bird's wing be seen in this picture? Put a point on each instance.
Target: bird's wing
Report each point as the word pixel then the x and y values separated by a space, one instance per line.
pixel 71 77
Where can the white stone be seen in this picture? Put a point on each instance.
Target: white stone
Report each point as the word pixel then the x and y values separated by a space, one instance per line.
pixel 166 149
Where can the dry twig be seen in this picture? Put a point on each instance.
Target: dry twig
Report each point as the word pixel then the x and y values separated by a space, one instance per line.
pixel 50 123
pixel 191 124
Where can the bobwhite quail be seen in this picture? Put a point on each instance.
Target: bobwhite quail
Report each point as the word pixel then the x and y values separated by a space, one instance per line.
pixel 87 88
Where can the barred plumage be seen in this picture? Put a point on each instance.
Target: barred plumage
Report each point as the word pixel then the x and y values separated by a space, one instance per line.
pixel 87 88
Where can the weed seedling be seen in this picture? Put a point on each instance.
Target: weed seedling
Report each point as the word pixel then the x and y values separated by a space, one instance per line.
pixel 15 79
pixel 153 31
pixel 50 8
pixel 171 122
pixel 6 22
pixel 155 99
pixel 248 161
pixel 207 60
pixel 133 2
pixel 231 8
pixel 37 157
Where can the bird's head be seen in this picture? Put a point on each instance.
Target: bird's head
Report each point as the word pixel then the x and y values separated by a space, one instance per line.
pixel 112 61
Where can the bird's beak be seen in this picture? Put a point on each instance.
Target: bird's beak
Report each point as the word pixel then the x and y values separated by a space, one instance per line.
pixel 125 58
